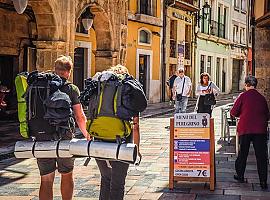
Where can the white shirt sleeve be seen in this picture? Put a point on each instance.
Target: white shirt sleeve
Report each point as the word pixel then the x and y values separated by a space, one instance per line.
pixel 198 90
pixel 215 88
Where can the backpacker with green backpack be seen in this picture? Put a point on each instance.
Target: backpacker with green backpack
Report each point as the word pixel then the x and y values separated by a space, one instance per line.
pixel 46 113
pixel 108 118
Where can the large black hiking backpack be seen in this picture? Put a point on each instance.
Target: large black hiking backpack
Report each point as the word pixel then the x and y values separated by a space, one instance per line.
pixel 49 113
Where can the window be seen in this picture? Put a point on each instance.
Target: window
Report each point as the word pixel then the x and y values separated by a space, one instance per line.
pixel 209 65
pixel 218 72
pixel 145 7
pixel 267 6
pixel 235 33
pixel 242 35
pixel 144 37
pixel 237 4
pixel 202 63
pixel 244 5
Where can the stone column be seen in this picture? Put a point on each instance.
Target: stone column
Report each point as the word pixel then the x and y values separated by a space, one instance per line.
pixel 47 52
pixel 105 59
pixel 262 64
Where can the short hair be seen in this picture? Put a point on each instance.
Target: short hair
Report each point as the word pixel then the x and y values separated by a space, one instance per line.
pixel 251 81
pixel 63 63
pixel 180 69
pixel 202 75
pixel 119 69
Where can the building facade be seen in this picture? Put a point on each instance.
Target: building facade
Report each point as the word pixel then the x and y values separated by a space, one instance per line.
pixel 144 45
pixel 240 43
pixel 260 17
pixel 213 52
pixel 222 43
pixel 49 28
pixel 179 37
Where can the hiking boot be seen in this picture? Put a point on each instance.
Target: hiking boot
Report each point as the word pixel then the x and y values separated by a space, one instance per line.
pixel 264 185
pixel 239 179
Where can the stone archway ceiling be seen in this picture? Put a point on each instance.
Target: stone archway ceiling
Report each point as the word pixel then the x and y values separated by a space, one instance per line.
pixel 45 14
pixel 102 23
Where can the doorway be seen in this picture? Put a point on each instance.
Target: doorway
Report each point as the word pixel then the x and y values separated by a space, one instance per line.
pixel 236 74
pixel 8 70
pixel 78 70
pixel 144 72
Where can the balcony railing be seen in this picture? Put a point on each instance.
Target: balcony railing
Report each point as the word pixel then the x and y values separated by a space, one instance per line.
pixel 172 48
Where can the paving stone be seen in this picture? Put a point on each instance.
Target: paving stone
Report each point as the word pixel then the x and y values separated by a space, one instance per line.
pixel 88 193
pixel 253 198
pixel 177 196
pixel 217 197
pixel 151 196
pixel 247 193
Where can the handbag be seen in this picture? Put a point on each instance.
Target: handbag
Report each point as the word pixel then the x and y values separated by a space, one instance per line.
pixel 179 96
pixel 210 98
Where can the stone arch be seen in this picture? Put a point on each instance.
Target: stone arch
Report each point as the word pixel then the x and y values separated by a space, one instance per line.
pixel 45 14
pixel 102 23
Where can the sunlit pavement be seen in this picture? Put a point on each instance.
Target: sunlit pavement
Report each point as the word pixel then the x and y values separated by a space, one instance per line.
pixel 19 179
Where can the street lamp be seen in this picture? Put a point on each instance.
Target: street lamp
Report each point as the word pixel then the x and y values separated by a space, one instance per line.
pixel 20 5
pixel 87 19
pixel 206 9
pixel 205 16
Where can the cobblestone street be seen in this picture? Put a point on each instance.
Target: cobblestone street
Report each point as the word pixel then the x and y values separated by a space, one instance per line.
pixel 19 178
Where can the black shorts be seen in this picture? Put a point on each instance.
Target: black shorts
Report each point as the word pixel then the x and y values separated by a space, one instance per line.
pixel 49 165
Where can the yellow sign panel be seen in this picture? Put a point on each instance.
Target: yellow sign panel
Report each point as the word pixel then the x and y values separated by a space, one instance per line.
pixel 192 133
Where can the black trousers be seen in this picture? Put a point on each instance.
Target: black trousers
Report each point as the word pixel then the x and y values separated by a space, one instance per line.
pixel 260 146
pixel 202 108
pixel 112 179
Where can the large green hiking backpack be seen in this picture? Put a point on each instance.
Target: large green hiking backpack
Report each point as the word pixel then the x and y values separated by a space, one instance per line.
pixel 21 86
pixel 103 121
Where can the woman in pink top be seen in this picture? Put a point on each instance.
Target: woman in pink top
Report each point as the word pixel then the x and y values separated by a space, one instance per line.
pixel 252 109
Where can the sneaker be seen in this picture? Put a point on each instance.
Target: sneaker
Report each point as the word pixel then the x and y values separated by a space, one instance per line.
pixel 239 179
pixel 264 185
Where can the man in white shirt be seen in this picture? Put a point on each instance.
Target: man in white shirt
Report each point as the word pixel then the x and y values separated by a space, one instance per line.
pixel 181 91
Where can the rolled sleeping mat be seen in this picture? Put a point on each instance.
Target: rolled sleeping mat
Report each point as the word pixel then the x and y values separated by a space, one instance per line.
pixel 103 150
pixel 63 149
pixel 52 149
pixel 24 149
pixel 79 147
pixel 42 149
pixel 128 152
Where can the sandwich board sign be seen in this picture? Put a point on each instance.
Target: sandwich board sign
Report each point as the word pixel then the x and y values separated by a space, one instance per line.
pixel 192 148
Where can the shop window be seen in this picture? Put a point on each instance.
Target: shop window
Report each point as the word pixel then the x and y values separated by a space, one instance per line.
pixel 173 38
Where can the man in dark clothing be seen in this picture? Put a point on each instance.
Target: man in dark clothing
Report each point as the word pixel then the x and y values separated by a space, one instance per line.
pixel 47 166
pixel 252 127
pixel 170 83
